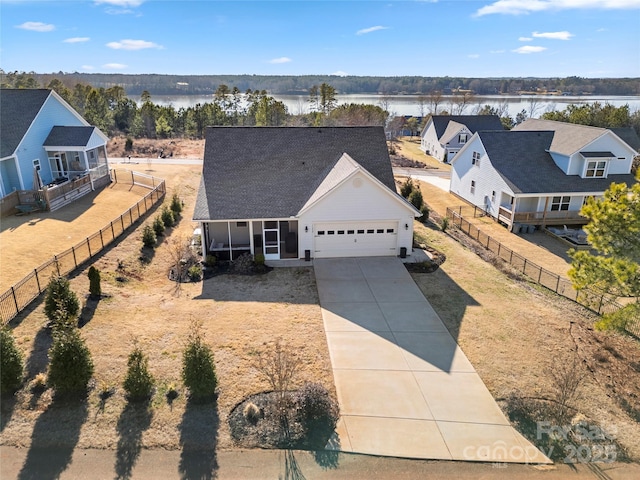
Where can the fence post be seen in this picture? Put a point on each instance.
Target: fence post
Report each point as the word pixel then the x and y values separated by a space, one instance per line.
pixel 524 266
pixel 130 217
pixel 55 260
pixel 35 271
pixel 89 247
pixel 499 245
pixel 122 221
pixel 115 175
pixel 133 180
pixel 101 240
pixel 15 300
pixel 113 232
pixel 73 251
pixel 539 274
pixel 557 283
pixel 138 205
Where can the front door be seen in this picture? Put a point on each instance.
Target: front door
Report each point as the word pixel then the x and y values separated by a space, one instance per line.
pixel 271 238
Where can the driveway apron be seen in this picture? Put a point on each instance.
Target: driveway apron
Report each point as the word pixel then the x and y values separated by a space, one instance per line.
pixel 404 386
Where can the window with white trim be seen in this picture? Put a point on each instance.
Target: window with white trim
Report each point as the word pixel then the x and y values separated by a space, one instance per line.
pixel 560 203
pixel 462 138
pixel 595 168
pixel 473 187
pixel 475 159
pixel 493 196
pixel 36 164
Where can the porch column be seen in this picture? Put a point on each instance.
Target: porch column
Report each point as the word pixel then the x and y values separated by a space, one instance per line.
pixel 230 246
pixel 544 214
pixel 86 166
pixel 251 246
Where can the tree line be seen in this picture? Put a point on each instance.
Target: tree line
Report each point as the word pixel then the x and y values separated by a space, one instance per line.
pixel 114 112
pixel 157 84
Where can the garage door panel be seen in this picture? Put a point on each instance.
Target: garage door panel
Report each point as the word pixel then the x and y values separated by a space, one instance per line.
pixel 355 239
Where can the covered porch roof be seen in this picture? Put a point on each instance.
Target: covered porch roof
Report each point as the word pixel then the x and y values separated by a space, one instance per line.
pixel 76 138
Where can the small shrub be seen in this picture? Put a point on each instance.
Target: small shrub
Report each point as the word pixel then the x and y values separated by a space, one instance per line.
pixel 167 217
pixel 425 213
pixel 39 383
pixel 316 411
pixel 195 272
pixel 11 363
pixel 158 226
pixel 278 364
pixel 407 187
pixel 60 302
pixel 198 368
pixel 128 144
pixel 172 392
pixel 95 290
pixel 258 258
pixel 416 199
pixel 176 205
pixel 139 382
pixel 149 238
pixel 210 261
pixel 252 413
pixel 444 224
pixel 70 363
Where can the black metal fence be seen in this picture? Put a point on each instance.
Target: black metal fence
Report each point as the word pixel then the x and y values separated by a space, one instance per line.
pixel 552 281
pixel 20 295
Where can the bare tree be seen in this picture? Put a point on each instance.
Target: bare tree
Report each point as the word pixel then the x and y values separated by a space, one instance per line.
pixel 422 105
pixel 180 252
pixel 434 99
pixel 459 103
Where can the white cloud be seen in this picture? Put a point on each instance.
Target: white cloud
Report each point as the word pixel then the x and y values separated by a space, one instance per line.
pixel 520 7
pixel 340 73
pixel 115 66
pixel 525 39
pixel 529 49
pixel 76 40
pixel 497 51
pixel 564 35
pixel 371 29
pixel 280 60
pixel 120 3
pixel 37 26
pixel 133 45
pixel 473 55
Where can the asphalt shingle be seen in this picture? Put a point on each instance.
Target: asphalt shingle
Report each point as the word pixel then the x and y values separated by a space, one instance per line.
pixel 271 172
pixel 18 109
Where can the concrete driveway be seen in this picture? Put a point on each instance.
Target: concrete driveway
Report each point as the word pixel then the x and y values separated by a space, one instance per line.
pixel 404 386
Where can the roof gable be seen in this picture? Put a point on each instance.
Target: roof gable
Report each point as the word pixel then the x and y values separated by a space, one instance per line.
pixel 569 138
pixel 629 136
pixel 18 110
pixel 473 122
pixel 272 172
pixel 521 158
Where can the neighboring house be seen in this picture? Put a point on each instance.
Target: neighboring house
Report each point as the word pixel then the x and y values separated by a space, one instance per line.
pixel 444 135
pixel 541 176
pixel 46 145
pixel 300 192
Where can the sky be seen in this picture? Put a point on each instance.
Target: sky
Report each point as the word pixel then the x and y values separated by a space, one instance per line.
pixel 461 38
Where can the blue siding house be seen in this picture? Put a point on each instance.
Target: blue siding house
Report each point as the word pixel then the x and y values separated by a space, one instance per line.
pixel 47 147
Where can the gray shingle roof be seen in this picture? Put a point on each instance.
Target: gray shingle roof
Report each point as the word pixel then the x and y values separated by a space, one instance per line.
pixel 271 172
pixel 569 137
pixel 69 136
pixel 18 109
pixel 473 122
pixel 629 136
pixel 521 159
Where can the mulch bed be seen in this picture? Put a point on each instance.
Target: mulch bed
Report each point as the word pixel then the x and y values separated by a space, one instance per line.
pixel 269 431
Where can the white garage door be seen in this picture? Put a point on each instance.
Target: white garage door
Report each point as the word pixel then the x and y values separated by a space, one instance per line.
pixel 358 239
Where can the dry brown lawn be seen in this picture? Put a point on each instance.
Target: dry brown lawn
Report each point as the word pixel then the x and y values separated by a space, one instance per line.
pixel 240 314
pixel 513 333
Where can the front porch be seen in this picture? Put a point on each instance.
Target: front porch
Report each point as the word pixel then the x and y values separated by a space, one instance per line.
pixel 227 240
pixel 542 218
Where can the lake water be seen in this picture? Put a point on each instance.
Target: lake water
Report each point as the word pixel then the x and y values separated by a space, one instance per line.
pixel 409 104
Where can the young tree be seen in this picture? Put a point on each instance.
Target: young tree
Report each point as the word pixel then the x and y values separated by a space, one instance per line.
pixel 198 367
pixel 95 290
pixel 139 382
pixel 614 233
pixel 60 304
pixel 11 363
pixel 70 363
